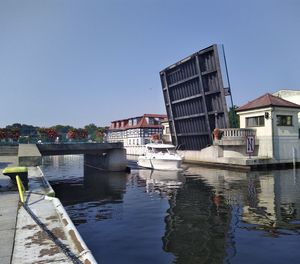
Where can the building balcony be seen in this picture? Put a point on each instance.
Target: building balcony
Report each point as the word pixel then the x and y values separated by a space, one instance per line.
pixel 235 137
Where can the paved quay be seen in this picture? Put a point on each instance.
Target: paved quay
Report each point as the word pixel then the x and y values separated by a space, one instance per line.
pixel 8 215
pixel 41 231
pixel 9 200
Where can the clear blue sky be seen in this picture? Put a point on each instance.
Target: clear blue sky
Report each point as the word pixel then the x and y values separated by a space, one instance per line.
pixel 79 62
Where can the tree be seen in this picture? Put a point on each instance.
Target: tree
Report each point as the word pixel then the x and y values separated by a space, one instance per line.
pixel 72 134
pixel 47 134
pixel 61 129
pixel 91 128
pixel 82 133
pixel 234 121
pixel 3 133
pixel 99 134
pixel 14 134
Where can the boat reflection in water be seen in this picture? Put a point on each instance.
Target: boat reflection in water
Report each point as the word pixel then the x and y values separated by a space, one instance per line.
pixel 162 181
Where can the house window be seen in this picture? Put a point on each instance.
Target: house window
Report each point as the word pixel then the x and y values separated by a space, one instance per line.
pixel 151 121
pixel 284 120
pixel 255 121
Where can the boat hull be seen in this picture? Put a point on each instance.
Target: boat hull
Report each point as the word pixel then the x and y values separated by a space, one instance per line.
pixel 159 164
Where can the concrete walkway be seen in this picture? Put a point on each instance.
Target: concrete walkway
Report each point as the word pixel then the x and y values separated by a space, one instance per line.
pixel 8 216
pixel 9 199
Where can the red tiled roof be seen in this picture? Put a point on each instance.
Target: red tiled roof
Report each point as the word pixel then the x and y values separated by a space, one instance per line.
pixel 141 124
pixel 155 115
pixel 145 115
pixel 265 101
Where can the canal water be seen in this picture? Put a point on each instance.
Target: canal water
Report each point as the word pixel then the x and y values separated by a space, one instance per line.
pixel 197 216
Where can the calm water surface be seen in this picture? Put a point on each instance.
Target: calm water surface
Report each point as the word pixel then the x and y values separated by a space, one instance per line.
pixel 197 216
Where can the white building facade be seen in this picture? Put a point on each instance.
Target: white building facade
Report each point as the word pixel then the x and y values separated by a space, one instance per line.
pixel 277 128
pixel 135 132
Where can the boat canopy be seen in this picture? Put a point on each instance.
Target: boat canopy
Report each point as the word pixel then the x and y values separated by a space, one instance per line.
pixel 160 146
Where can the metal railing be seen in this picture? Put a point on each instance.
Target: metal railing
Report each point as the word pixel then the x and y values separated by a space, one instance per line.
pixel 232 133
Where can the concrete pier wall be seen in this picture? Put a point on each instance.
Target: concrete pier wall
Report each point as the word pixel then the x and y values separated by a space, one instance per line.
pixel 29 155
pixel 40 230
pixel 8 150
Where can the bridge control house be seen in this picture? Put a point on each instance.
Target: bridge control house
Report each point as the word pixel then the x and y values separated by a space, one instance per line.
pixel 277 128
pixel 271 123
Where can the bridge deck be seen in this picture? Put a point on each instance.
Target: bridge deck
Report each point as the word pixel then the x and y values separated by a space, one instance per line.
pixel 77 148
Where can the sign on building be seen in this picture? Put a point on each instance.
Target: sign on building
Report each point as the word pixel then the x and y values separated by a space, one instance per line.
pixel 250 144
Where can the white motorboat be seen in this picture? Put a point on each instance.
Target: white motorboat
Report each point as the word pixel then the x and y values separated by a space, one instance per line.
pixel 160 156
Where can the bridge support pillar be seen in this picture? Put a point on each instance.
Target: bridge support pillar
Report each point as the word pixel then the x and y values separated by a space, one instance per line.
pixel 110 160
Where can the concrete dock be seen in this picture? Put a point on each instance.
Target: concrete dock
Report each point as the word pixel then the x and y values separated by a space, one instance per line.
pixel 40 231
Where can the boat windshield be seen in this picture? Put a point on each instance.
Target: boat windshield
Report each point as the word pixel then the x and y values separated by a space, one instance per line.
pixel 164 150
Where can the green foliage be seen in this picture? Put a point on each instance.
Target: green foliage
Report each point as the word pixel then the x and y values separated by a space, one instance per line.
pixel 25 130
pixel 234 121
pixel 31 134
pixel 61 129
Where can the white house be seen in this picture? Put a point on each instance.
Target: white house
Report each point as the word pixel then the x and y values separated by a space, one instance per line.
pixel 277 128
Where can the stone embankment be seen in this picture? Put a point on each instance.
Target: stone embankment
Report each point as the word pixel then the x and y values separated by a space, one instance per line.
pixel 40 230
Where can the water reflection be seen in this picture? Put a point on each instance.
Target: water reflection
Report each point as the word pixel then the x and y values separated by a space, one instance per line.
pixel 199 216
pixel 163 182
pixel 85 192
pixel 256 207
pixel 197 224
pixel 268 199
pixel 95 186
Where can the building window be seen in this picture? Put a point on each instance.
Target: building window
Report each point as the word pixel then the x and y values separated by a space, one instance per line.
pixel 284 120
pixel 255 121
pixel 151 121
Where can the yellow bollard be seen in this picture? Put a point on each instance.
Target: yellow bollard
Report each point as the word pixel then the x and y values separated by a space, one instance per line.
pixel 21 188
